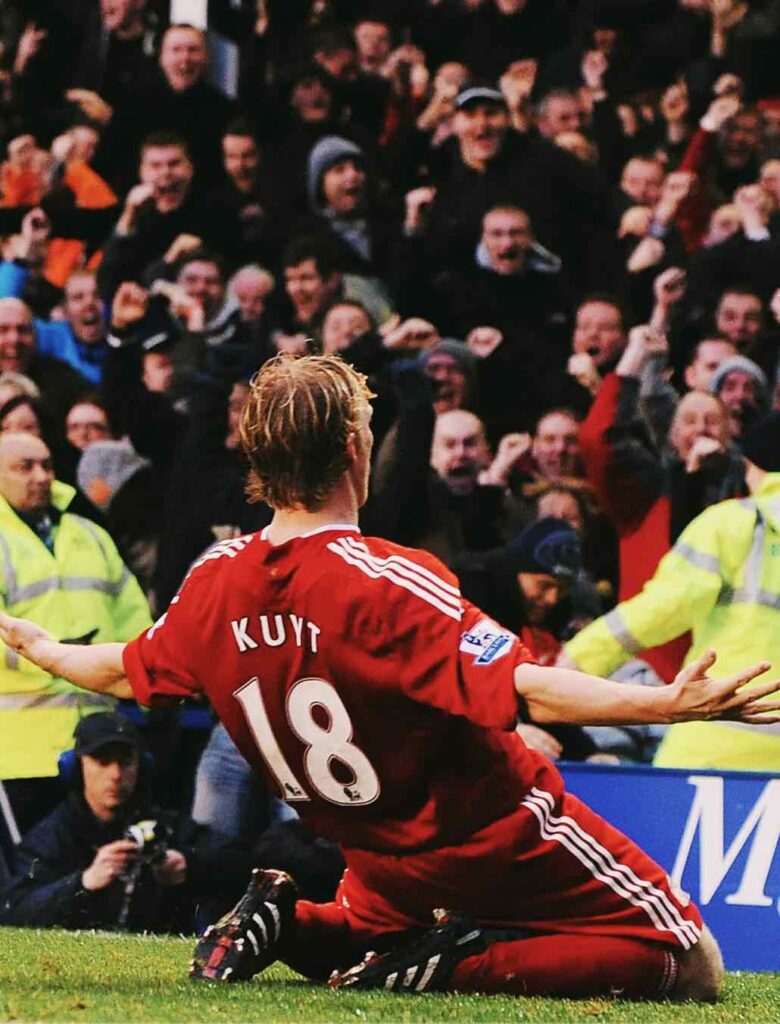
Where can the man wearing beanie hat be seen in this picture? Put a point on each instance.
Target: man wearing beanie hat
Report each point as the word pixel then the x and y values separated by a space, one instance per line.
pixel 107 857
pixel 105 467
pixel 361 230
pixel 721 580
pixel 742 387
pixel 451 366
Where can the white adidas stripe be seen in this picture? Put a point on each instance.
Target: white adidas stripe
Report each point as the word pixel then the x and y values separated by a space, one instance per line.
pixel 603 866
pixel 389 574
pixel 430 968
pixel 261 925
pixel 669 908
pixel 277 919
pixel 400 560
pixel 409 977
pixel 406 569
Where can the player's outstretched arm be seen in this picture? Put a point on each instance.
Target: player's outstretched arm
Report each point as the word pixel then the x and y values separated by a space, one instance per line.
pixel 98 668
pixel 555 695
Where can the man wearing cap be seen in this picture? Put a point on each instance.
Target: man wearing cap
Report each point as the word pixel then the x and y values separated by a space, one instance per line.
pixel 721 580
pixel 567 201
pixel 65 573
pixel 84 866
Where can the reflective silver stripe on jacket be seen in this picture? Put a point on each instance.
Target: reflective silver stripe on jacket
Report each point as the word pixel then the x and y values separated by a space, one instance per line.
pixel 8 566
pixel 750 592
pixel 44 701
pixel 699 559
pixel 15 593
pixel 74 583
pixel 616 624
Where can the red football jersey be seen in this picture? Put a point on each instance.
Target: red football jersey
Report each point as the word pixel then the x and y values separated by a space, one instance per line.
pixel 352 673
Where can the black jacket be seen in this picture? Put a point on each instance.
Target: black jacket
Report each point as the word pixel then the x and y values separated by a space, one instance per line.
pixel 569 205
pixel 45 889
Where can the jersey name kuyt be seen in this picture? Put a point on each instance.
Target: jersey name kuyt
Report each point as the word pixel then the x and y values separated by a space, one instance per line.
pixel 354 675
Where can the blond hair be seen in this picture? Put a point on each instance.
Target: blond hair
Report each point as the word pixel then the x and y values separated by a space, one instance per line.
pixel 298 419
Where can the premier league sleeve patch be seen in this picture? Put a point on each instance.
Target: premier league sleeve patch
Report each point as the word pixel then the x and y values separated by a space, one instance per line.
pixel 486 641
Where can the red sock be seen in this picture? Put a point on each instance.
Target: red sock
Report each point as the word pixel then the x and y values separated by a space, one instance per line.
pixel 321 942
pixel 569 965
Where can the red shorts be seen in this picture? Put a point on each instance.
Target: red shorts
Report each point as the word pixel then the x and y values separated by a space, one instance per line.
pixel 552 866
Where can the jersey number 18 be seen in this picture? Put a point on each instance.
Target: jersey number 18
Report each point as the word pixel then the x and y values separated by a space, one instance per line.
pixel 326 746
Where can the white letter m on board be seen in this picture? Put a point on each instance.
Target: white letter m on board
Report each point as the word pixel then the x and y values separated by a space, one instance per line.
pixel 706 818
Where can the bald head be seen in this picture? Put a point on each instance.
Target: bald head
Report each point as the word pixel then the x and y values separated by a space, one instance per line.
pixel 17 340
pixel 698 415
pixel 459 449
pixel 26 472
pixel 250 287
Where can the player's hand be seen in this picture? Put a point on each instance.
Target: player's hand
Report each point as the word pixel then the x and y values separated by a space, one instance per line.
pixel 109 864
pixel 696 697
pixel 25 637
pixel 539 739
pixel 172 870
pixel 130 304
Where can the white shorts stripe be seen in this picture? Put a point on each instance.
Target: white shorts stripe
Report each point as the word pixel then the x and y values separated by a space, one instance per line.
pixel 667 906
pixel 664 915
pixel 400 560
pixel 382 564
pixel 388 574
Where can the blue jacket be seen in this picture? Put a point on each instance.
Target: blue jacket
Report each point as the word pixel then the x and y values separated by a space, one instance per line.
pixel 55 337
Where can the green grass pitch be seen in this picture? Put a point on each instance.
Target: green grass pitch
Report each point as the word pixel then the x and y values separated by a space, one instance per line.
pixel 60 976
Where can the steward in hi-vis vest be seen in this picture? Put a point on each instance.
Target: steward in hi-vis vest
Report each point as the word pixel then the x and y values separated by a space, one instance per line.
pixel 721 580
pixel 65 573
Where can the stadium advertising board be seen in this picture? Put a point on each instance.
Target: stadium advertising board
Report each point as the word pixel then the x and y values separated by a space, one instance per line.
pixel 718 836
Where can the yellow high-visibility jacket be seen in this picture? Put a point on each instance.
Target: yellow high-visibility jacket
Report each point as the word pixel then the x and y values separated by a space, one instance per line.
pixel 83 586
pixel 721 580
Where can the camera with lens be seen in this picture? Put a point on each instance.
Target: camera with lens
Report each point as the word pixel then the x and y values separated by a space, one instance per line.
pixel 151 838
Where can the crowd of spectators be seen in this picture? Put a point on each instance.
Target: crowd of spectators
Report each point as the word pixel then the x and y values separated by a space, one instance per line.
pixel 547 230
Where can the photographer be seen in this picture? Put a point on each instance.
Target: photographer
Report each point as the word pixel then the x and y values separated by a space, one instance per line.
pixel 107 858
